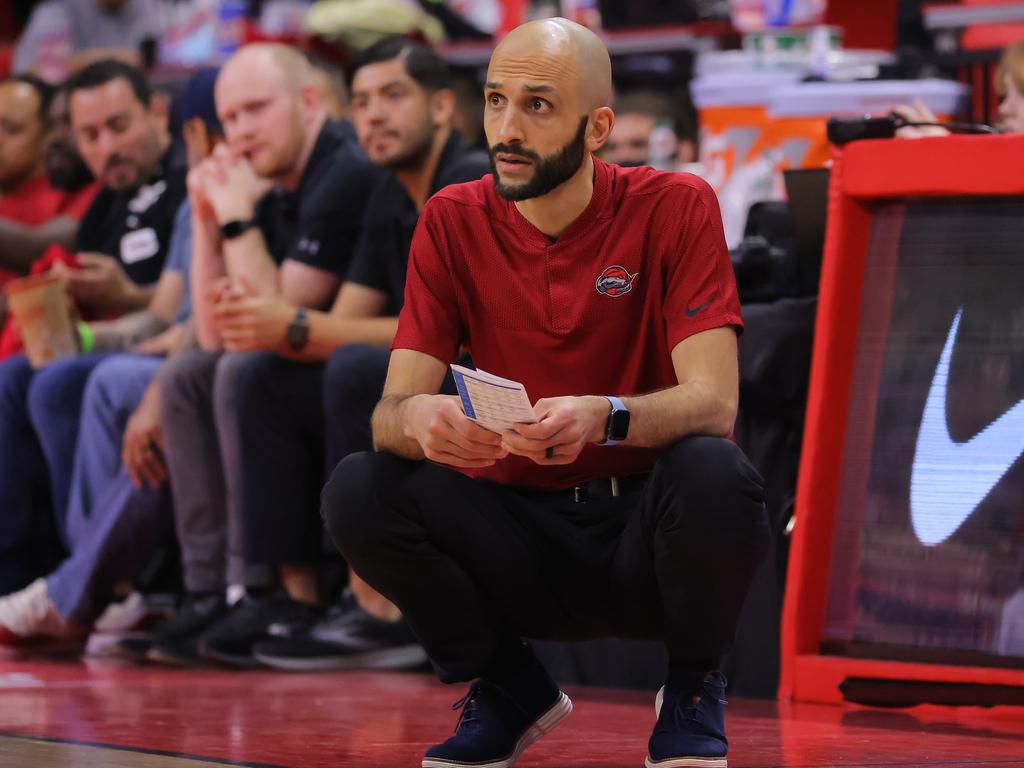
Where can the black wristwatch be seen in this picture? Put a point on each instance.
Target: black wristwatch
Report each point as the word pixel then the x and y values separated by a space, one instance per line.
pixel 298 330
pixel 616 429
pixel 229 230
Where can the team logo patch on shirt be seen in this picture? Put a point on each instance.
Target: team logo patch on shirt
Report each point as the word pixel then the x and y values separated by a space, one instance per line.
pixel 615 281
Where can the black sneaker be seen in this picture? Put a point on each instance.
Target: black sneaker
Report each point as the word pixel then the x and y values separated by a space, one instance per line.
pixel 690 731
pixel 494 729
pixel 230 641
pixel 175 641
pixel 346 638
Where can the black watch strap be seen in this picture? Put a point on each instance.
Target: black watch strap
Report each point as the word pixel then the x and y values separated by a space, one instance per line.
pixel 298 330
pixel 229 230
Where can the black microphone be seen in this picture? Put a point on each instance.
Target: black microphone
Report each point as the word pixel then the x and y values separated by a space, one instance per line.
pixel 842 130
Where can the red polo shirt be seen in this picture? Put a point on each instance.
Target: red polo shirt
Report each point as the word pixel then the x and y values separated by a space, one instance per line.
pixel 597 312
pixel 35 202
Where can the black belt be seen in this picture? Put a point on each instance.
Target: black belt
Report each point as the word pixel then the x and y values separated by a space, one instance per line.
pixel 606 487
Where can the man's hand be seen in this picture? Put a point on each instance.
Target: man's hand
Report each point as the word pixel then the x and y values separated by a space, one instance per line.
pixel 195 182
pixel 564 425
pixel 446 435
pixel 142 449
pixel 248 321
pixel 918 113
pixel 229 184
pixel 101 285
pixel 161 344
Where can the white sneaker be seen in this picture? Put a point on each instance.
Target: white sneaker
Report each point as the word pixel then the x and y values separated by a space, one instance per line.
pixel 124 616
pixel 29 618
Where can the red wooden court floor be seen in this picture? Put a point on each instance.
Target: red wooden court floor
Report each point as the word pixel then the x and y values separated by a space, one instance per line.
pixel 74 715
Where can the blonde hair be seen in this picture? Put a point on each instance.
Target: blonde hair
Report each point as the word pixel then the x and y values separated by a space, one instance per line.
pixel 1011 64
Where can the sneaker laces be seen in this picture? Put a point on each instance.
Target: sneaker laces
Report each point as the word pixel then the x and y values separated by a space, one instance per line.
pixel 468 705
pixel 689 713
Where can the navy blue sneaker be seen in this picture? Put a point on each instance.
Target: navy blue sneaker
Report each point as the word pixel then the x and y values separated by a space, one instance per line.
pixel 690 732
pixel 494 729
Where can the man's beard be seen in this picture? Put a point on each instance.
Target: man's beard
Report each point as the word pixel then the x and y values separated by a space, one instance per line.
pixel 548 172
pixel 414 157
pixel 66 170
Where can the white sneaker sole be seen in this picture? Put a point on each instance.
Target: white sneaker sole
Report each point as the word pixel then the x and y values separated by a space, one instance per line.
pixel 681 762
pixel 688 762
pixel 393 658
pixel 543 725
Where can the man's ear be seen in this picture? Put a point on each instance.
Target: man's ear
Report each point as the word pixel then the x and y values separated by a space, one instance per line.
pixel 311 100
pixel 442 107
pixel 160 109
pixel 602 120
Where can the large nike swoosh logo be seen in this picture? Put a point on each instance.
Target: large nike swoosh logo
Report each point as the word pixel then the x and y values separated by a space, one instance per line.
pixel 949 480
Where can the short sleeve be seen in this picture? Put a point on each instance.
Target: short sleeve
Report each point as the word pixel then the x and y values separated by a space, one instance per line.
pixel 330 216
pixel 179 253
pixel 90 229
pixel 430 321
pixel 368 266
pixel 700 286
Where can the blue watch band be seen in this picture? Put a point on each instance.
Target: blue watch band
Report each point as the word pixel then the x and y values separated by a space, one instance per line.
pixel 617 405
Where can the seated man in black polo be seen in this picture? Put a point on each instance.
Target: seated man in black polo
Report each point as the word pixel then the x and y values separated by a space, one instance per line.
pixel 276 211
pixel 623 509
pixel 296 420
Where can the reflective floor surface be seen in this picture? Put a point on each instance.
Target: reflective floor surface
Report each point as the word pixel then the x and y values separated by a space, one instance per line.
pixel 72 715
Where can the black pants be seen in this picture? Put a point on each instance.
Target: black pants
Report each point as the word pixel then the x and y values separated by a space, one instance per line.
pixel 296 422
pixel 472 564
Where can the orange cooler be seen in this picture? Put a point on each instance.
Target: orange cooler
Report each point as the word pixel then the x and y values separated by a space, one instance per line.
pixel 733 111
pixel 798 113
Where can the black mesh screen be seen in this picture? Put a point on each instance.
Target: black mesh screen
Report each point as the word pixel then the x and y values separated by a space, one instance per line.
pixel 928 553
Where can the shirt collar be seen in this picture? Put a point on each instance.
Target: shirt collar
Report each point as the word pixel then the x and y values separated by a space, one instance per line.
pixel 332 135
pixel 453 149
pixel 595 209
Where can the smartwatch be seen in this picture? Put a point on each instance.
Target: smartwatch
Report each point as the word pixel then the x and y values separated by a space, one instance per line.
pixel 617 427
pixel 298 330
pixel 229 230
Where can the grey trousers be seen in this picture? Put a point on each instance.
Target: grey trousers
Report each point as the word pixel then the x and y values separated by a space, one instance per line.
pixel 201 439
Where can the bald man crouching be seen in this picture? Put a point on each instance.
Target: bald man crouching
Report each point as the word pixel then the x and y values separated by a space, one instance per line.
pixel 624 510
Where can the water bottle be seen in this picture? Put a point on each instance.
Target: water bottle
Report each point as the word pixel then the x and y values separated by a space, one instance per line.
pixel 231 16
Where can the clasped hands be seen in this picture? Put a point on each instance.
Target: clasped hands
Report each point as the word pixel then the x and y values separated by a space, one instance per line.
pixel 224 187
pixel 564 425
pixel 248 320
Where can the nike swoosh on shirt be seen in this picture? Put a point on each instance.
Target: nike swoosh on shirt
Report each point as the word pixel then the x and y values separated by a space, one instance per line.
pixel 949 480
pixel 693 312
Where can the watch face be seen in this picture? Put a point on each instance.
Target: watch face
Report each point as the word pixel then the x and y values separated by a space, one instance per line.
pixel 618 426
pixel 297 335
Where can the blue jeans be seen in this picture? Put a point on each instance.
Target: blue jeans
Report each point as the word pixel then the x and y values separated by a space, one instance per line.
pixel 112 528
pixel 39 412
pixel 55 408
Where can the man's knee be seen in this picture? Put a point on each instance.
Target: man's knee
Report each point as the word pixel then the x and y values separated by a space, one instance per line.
pixel 187 380
pixel 15 376
pixel 244 381
pixel 105 386
pixel 57 389
pixel 352 502
pixel 712 476
pixel 354 367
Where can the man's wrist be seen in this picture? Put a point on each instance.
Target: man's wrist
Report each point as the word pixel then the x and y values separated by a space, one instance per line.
pixel 405 414
pixel 599 409
pixel 239 213
pixel 133 297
